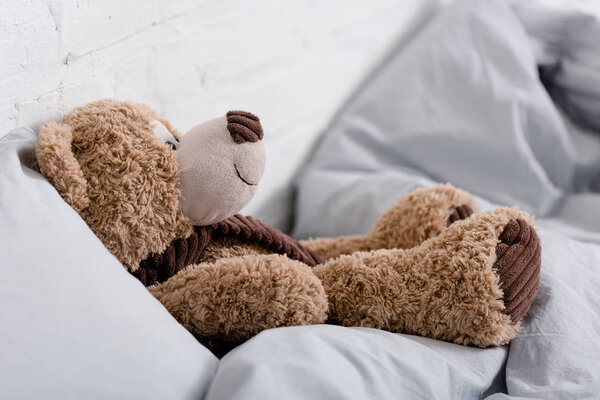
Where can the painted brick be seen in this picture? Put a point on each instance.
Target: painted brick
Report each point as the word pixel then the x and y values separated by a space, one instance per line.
pixel 294 63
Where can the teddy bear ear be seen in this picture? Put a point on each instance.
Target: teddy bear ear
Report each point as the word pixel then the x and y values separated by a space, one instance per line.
pixel 58 164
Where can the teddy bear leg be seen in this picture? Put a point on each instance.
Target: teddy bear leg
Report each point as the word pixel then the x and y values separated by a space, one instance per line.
pixel 472 284
pixel 422 214
pixel 226 302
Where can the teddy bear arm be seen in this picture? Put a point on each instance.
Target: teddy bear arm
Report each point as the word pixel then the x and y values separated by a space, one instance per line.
pixel 234 298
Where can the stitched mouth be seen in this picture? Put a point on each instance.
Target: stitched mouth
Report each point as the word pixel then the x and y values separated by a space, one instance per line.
pixel 240 176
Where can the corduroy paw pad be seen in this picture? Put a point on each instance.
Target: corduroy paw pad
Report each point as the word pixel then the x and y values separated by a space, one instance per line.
pixel 518 266
pixel 458 213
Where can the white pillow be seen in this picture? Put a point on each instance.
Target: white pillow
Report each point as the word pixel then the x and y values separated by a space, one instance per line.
pixel 74 323
pixel 334 362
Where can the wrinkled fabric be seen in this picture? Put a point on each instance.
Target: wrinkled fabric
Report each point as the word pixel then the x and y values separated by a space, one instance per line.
pixel 462 102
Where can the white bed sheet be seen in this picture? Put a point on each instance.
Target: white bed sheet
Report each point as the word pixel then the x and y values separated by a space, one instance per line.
pixel 332 362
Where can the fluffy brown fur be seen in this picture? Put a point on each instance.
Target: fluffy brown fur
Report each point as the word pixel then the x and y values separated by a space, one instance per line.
pixel 232 299
pixel 128 176
pixel 445 288
pixel 411 273
pixel 422 214
pixel 57 162
pixel 334 247
pixel 227 247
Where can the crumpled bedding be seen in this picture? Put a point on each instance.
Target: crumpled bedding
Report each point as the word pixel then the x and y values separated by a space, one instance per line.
pixel 499 99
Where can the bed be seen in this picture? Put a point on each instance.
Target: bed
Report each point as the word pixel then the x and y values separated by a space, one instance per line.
pixel 506 107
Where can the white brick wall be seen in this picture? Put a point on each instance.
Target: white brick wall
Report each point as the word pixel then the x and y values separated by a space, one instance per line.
pixel 291 62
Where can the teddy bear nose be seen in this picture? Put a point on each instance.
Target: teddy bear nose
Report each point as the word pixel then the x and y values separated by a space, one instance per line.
pixel 244 127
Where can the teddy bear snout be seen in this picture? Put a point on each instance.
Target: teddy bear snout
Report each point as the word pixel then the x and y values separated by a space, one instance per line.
pixel 218 175
pixel 244 127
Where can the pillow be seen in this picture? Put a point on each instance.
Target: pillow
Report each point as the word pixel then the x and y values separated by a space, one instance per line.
pixel 334 362
pixel 75 323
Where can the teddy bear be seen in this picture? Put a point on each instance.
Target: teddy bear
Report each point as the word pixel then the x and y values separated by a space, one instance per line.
pixel 165 205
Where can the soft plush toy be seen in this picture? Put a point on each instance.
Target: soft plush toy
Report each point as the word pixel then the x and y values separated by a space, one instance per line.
pixel 164 204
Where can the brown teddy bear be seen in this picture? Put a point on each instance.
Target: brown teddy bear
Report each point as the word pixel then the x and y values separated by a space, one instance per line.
pixel 165 205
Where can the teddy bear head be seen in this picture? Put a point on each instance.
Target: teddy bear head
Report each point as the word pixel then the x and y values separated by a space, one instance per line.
pixel 140 184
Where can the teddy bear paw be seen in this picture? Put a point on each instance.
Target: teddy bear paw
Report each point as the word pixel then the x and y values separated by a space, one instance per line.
pixel 227 302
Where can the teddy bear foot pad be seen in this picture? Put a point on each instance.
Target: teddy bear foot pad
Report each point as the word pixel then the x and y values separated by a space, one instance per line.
pixel 518 261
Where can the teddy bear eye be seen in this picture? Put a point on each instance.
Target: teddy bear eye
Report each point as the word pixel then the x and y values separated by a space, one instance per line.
pixel 172 145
